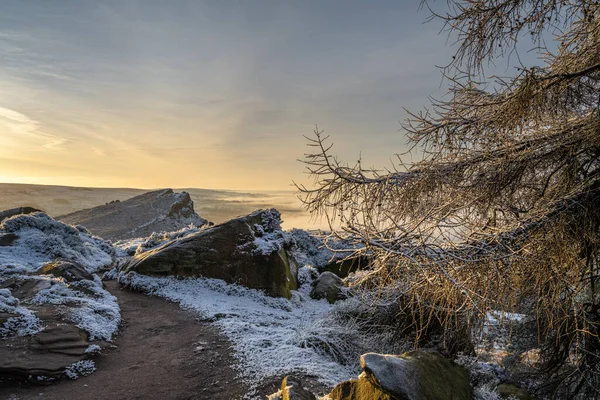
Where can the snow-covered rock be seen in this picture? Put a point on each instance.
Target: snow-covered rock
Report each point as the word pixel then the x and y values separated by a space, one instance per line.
pixel 325 252
pixel 54 323
pixel 140 216
pixel 52 307
pixel 41 239
pixel 249 250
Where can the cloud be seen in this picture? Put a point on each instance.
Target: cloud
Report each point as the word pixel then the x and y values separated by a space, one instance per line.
pixel 18 127
pixel 219 92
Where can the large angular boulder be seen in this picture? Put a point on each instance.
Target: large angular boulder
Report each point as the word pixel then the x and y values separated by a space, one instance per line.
pixel 249 251
pixel 328 286
pixel 140 216
pixel 416 375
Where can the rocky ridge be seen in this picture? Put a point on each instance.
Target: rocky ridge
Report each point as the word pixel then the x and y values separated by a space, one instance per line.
pixel 140 216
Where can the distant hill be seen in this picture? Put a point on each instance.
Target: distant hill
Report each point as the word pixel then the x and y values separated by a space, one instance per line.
pixel 157 211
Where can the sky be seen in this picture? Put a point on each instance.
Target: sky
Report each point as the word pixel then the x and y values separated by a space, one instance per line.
pixel 210 94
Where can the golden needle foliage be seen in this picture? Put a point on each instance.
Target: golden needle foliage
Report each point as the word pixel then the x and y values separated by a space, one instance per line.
pixel 503 211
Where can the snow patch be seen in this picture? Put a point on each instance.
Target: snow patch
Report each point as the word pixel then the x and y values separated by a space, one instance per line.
pixel 499 317
pixel 80 368
pixel 306 277
pixel 90 307
pixel 111 274
pixel 24 323
pixel 93 349
pixel 137 246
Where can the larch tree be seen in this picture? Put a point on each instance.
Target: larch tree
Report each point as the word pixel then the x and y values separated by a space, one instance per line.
pixel 502 212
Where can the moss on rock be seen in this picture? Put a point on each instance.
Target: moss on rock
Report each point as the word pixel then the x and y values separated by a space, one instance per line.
pixel 358 389
pixel 416 375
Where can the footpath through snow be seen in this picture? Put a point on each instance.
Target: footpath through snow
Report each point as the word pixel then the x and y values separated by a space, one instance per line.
pixel 270 336
pixel 161 352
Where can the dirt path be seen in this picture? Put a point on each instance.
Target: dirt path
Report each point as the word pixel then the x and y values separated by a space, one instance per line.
pixel 162 352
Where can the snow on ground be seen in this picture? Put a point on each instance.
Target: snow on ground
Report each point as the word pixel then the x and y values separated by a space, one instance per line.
pixel 136 246
pixel 499 317
pixel 80 368
pixel 42 239
pixel 270 336
pixel 495 335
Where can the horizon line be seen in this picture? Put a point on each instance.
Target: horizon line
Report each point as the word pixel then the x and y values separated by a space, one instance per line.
pixel 147 188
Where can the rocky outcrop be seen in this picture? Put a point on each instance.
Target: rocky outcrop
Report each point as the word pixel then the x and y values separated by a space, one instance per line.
pixel 38 338
pixel 158 211
pixel 416 375
pixel 52 311
pixel 46 354
pixel 328 286
pixel 17 211
pixel 249 251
